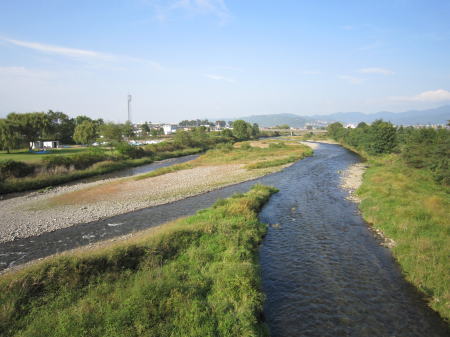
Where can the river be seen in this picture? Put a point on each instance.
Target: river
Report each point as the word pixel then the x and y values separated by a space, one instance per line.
pixel 323 272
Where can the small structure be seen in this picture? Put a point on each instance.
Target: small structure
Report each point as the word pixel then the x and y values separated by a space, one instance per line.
pixel 47 144
pixel 170 128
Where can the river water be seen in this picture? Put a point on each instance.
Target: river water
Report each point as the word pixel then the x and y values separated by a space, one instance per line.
pixel 323 272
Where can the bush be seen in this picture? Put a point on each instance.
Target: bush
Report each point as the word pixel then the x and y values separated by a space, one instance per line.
pixel 14 169
pixel 130 151
pixel 86 159
pixel 51 162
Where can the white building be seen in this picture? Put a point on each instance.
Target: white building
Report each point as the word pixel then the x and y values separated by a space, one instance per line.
pixel 47 144
pixel 170 128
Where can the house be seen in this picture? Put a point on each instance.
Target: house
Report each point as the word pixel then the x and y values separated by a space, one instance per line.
pixel 169 128
pixel 46 144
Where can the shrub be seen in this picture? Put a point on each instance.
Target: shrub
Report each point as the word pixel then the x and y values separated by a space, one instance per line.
pixel 86 159
pixel 130 151
pixel 51 162
pixel 14 169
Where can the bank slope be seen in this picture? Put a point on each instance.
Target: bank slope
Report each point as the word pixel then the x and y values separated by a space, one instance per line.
pixel 197 276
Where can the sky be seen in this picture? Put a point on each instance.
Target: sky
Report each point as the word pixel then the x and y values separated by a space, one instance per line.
pixel 189 59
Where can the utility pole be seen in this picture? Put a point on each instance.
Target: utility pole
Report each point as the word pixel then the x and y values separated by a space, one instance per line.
pixel 129 108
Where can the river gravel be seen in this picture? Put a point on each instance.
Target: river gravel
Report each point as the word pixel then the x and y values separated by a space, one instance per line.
pixel 35 213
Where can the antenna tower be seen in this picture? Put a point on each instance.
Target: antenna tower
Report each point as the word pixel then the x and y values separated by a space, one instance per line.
pixel 129 108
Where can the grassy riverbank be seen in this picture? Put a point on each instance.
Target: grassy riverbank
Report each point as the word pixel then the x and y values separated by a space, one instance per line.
pixel 48 180
pixel 412 209
pixel 197 276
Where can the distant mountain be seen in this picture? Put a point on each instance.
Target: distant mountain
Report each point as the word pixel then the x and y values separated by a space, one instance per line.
pixel 292 120
pixel 413 117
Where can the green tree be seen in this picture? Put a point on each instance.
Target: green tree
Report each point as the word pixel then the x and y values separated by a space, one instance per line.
pixel 335 130
pixel 111 132
pixel 255 130
pixel 31 126
pixel 9 137
pixel 85 133
pixel 128 129
pixel 61 127
pixel 381 137
pixel 241 129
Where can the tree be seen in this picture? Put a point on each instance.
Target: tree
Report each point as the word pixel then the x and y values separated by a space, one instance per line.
pixel 183 138
pixel 255 130
pixel 241 129
pixel 381 137
pixel 85 133
pixel 335 130
pixel 282 126
pixel 9 137
pixel 111 132
pixel 31 126
pixel 61 127
pixel 145 128
pixel 128 129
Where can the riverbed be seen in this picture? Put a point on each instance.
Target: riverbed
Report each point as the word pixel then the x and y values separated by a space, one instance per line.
pixel 323 271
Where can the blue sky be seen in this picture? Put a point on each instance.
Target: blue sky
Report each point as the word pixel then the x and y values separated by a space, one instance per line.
pixel 183 59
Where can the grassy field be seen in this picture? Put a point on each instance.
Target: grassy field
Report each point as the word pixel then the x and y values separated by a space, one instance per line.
pixel 30 157
pixel 413 210
pixel 197 276
pixel 253 155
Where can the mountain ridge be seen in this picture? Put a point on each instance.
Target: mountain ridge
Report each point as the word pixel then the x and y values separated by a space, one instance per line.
pixel 439 115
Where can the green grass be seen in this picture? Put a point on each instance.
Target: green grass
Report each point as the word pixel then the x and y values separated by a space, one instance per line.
pixel 29 157
pixel 279 162
pixel 198 276
pixel 413 210
pixel 43 181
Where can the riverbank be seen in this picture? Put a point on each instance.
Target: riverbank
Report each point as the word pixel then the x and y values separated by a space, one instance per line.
pixel 196 276
pixel 65 206
pixel 411 209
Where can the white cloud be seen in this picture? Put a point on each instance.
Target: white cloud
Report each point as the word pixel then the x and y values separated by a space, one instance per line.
pixel 23 72
pixel 439 95
pixel 46 48
pixel 219 78
pixel 80 54
pixel 217 8
pixel 375 70
pixel 351 79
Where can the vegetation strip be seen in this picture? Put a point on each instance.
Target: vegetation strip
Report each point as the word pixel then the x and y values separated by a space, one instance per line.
pixel 195 277
pixel 405 194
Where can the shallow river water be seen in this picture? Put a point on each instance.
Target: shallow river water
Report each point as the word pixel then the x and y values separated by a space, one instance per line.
pixel 323 272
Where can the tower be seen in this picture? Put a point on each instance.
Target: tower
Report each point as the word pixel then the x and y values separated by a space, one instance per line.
pixel 129 108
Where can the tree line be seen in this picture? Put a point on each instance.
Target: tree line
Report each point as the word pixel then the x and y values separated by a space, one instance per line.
pixel 421 148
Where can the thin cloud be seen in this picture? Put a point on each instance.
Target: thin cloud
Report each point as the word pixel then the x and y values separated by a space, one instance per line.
pixel 80 53
pixel 375 70
pixel 217 8
pixel 219 78
pixel 351 79
pixel 46 48
pixel 439 95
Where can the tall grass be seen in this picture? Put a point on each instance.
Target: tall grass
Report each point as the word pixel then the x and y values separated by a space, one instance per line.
pixel 412 209
pixel 195 277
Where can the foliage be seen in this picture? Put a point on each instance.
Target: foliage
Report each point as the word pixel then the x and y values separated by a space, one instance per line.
pixel 419 147
pixel 242 130
pixel 15 169
pixel 112 132
pixel 9 136
pixel 195 277
pixel 130 151
pixel 282 126
pixel 85 132
pixel 31 126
